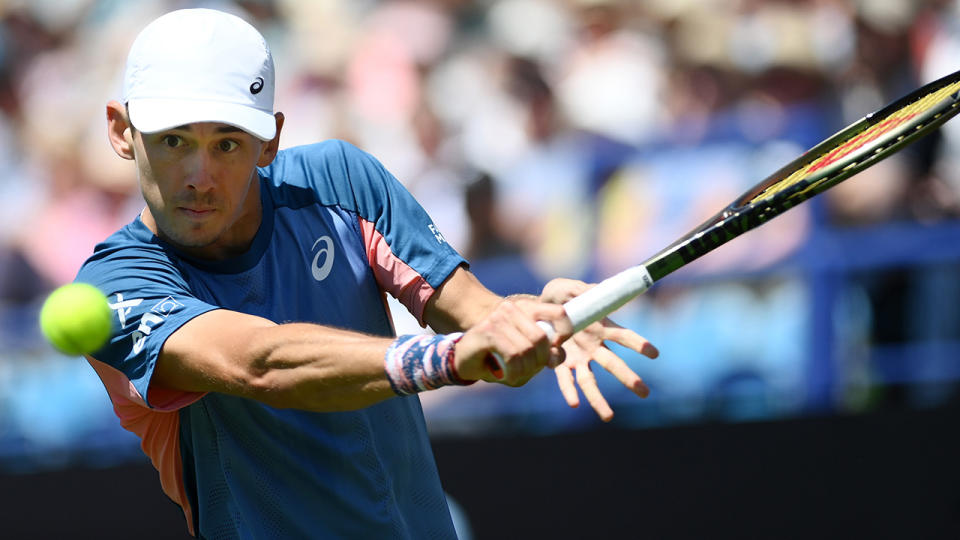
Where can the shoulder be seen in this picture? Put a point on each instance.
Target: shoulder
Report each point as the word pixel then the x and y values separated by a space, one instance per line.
pixel 332 172
pixel 130 254
pixel 330 157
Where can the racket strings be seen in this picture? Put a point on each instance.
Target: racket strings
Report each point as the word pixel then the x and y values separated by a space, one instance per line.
pixel 946 94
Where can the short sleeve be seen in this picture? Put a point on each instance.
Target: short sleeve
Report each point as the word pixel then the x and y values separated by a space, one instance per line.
pixel 150 300
pixel 398 218
pixel 409 256
pixel 406 251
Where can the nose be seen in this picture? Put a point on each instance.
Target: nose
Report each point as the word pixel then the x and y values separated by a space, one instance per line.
pixel 200 172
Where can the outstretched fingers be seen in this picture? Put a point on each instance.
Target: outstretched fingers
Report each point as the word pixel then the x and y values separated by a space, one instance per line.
pixel 588 383
pixel 588 346
pixel 629 339
pixel 567 385
pixel 619 369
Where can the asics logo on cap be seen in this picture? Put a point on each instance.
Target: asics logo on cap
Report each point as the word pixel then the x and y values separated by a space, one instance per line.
pixel 257 86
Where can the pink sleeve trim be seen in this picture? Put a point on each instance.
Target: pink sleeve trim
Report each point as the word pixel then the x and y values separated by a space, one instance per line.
pixel 393 274
pixel 119 386
pixel 158 428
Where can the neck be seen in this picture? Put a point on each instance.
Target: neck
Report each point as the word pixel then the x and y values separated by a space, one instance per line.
pixel 232 242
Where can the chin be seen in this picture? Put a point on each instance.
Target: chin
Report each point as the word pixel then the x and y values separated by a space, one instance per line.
pixel 193 240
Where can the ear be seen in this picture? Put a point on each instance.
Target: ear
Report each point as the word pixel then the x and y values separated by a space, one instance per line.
pixel 273 145
pixel 119 130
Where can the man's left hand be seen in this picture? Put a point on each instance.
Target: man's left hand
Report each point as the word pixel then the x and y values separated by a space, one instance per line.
pixel 588 346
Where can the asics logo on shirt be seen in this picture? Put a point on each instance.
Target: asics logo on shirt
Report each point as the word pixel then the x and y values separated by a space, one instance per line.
pixel 323 260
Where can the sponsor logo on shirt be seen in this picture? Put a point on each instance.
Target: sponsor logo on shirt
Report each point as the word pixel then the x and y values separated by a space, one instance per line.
pixel 166 306
pixel 436 233
pixel 148 321
pixel 323 260
pixel 123 307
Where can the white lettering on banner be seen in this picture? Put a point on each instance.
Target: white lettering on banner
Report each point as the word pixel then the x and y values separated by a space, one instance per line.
pixel 321 271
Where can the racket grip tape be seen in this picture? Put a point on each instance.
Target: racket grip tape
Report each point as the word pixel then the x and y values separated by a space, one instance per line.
pixel 607 296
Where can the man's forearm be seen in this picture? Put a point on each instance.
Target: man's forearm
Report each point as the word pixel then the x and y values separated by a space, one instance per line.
pixel 459 303
pixel 296 365
pixel 316 368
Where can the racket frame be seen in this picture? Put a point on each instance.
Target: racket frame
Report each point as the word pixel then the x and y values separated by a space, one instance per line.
pixel 750 210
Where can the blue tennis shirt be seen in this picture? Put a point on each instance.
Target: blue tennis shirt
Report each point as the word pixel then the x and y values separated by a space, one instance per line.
pixel 338 232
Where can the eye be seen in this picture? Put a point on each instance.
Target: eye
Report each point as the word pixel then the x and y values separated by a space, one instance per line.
pixel 173 141
pixel 227 145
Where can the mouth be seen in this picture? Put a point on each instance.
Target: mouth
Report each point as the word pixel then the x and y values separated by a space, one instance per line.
pixel 195 212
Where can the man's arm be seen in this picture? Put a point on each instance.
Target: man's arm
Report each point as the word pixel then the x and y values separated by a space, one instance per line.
pixel 459 303
pixel 319 368
pixel 295 365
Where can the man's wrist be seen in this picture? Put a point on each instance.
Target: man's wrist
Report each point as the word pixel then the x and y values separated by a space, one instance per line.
pixel 416 363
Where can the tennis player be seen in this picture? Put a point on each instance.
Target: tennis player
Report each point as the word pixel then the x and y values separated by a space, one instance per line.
pixel 252 351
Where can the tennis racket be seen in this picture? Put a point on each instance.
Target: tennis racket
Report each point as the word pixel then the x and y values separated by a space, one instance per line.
pixel 851 150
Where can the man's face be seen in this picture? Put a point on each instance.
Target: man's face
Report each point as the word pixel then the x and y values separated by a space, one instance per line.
pixel 199 184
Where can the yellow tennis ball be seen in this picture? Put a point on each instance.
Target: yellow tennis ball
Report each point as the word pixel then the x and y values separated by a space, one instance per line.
pixel 76 319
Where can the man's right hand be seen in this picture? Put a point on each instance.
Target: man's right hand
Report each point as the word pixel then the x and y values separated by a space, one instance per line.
pixel 511 331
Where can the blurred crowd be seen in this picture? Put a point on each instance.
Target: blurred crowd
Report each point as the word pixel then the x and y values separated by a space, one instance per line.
pixel 546 137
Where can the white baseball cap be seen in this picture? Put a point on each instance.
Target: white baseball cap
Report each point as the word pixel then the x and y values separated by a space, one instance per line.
pixel 200 65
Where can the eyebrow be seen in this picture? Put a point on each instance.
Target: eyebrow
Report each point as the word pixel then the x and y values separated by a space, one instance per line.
pixel 221 129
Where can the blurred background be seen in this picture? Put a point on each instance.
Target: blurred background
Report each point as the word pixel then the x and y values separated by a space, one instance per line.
pixel 809 370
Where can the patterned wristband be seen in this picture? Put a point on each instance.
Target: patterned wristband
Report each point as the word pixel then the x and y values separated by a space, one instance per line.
pixel 415 363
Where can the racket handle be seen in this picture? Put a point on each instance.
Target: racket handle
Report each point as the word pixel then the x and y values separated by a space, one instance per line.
pixel 498 367
pixel 607 296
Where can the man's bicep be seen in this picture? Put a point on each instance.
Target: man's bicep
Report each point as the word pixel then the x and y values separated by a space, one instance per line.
pixel 209 353
pixel 459 303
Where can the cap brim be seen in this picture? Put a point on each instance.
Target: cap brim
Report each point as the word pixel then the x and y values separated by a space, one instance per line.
pixel 153 115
